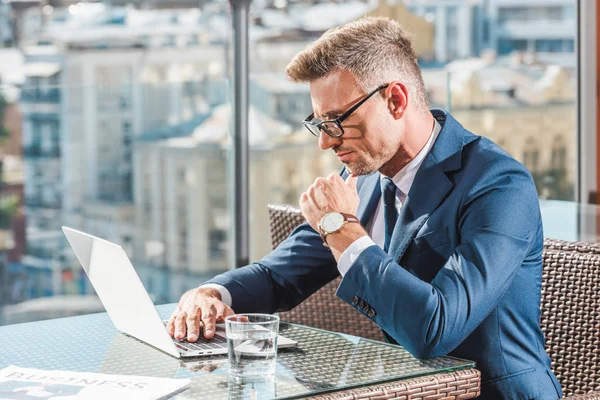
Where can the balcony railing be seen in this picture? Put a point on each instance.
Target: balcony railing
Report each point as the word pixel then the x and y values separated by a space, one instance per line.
pixel 37 95
pixel 36 151
pixel 39 252
pixel 37 202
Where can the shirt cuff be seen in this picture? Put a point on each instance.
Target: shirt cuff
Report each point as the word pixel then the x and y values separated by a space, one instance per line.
pixel 352 252
pixel 225 295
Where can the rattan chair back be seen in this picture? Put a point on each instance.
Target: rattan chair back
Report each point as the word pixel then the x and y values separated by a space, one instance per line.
pixel 571 313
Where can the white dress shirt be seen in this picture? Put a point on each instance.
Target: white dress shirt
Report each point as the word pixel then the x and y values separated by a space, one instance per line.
pixel 403 181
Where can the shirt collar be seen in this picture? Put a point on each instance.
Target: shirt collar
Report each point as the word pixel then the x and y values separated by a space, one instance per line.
pixel 405 177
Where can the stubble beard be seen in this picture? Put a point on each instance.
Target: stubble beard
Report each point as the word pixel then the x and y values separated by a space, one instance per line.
pixel 361 167
pixel 366 167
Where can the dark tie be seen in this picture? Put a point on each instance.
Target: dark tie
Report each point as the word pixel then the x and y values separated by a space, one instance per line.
pixel 390 213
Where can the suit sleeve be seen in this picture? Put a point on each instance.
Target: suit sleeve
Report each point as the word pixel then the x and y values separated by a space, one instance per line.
pixel 297 268
pixel 498 221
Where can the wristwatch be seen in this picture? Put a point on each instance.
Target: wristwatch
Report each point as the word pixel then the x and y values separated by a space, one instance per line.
pixel 332 222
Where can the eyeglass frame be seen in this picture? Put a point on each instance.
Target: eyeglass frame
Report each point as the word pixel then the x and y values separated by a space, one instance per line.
pixel 318 123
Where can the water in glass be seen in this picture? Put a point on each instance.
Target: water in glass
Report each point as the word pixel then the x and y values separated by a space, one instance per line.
pixel 252 345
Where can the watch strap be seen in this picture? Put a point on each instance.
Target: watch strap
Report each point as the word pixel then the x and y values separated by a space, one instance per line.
pixel 350 218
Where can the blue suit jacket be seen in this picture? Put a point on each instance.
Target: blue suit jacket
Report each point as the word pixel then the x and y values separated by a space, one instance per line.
pixel 463 274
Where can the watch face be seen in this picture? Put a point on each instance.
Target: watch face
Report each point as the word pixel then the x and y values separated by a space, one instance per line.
pixel 332 222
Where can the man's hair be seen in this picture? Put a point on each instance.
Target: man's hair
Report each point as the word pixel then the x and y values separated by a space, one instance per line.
pixel 375 50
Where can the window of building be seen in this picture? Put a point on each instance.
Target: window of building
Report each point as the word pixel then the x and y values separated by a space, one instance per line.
pixel 507 46
pixel 531 155
pixel 554 45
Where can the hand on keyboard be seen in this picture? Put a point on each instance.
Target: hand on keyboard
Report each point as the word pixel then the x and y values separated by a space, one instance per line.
pixel 197 306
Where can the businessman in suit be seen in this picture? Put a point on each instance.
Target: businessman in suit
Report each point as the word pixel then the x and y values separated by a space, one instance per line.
pixel 436 231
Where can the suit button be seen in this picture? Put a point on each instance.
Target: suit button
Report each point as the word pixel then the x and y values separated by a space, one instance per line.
pixel 354 300
pixel 361 305
pixel 371 313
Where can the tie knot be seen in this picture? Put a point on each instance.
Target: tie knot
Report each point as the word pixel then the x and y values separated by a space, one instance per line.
pixel 389 192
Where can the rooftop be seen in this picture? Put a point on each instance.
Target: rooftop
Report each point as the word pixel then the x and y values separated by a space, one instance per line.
pixel 278 83
pixel 213 130
pixel 12 74
pixel 502 82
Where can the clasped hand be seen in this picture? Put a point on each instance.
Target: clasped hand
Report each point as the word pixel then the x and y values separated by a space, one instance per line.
pixel 328 195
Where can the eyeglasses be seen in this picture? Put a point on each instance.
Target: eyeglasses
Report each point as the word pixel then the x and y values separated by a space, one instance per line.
pixel 333 127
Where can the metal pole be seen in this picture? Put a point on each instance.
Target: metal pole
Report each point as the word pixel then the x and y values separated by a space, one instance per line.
pixel 239 156
pixel 587 156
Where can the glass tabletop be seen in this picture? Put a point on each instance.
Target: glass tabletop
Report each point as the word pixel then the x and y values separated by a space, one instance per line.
pixel 323 361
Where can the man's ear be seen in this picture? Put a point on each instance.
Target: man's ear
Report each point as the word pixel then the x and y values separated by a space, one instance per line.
pixel 397 95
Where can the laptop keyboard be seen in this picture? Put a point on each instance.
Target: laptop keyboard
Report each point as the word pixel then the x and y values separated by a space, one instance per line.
pixel 217 342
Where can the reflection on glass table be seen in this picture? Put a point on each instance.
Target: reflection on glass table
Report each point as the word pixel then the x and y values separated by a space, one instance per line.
pixel 322 362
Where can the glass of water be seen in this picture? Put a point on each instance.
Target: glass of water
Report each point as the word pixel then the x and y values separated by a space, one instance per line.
pixel 252 345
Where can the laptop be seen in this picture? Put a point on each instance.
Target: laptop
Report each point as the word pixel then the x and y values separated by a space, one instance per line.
pixel 128 304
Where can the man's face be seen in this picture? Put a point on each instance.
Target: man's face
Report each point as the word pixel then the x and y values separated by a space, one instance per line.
pixel 368 141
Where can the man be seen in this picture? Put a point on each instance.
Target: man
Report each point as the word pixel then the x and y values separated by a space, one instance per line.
pixel 446 256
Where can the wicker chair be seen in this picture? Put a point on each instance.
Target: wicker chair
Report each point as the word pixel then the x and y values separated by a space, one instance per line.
pixel 571 315
pixel 565 245
pixel 570 307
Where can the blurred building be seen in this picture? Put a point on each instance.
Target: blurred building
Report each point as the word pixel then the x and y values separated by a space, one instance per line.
pixel 13 124
pixel 542 26
pixel 466 28
pixel 28 20
pixel 422 31
pixel 458 26
pixel 93 85
pixel 524 105
pixel 12 201
pixel 4 272
pixel 12 219
pixel 12 75
pixel 157 4
pixel 6 25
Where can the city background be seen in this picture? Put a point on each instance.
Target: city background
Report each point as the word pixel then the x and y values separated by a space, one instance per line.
pixel 115 119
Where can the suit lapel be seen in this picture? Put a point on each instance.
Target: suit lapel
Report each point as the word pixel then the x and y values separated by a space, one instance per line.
pixel 431 184
pixel 369 191
pixel 424 197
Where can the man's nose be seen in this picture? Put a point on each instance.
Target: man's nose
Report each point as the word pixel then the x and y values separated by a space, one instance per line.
pixel 327 142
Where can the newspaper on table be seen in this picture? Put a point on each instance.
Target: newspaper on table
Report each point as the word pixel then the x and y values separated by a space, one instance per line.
pixel 27 383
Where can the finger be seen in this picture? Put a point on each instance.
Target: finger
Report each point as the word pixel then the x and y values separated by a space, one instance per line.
pixel 303 199
pixel 351 182
pixel 209 315
pixel 171 325
pixel 193 324
pixel 180 326
pixel 223 312
pixel 239 318
pixel 313 199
